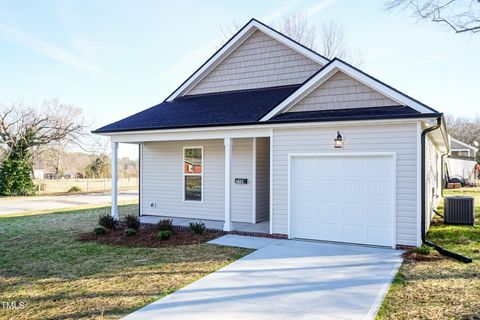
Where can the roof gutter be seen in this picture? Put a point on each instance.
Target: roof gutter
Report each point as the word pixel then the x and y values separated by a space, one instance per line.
pixel 440 249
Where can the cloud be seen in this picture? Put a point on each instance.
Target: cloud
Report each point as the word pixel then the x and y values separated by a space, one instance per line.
pixel 319 7
pixel 48 50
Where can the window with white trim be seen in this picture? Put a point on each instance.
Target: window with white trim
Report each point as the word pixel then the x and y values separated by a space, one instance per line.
pixel 193 173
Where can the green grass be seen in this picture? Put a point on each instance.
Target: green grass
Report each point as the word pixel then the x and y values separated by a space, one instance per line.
pixel 58 277
pixel 441 288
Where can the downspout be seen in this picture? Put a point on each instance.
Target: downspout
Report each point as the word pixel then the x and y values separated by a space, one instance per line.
pixel 423 201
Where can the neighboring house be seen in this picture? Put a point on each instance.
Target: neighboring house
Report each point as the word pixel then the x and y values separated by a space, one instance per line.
pixel 461 161
pixel 39 174
pixel 316 147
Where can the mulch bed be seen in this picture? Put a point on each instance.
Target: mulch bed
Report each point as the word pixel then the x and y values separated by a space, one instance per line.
pixel 147 237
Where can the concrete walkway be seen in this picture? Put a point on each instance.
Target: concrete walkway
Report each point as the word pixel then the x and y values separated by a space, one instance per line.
pixel 285 279
pixel 29 204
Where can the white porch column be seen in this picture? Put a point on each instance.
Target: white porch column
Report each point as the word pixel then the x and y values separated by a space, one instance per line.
pixel 115 180
pixel 228 184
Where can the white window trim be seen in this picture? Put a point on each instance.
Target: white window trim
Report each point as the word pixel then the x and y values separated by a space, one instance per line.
pixel 192 174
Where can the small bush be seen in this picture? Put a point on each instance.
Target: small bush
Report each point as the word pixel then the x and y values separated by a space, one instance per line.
pixel 165 225
pixel 164 235
pixel 74 189
pixel 197 227
pixel 107 221
pixel 131 222
pixel 425 250
pixel 99 231
pixel 130 232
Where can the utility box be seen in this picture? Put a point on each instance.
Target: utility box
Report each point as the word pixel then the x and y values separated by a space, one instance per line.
pixel 459 210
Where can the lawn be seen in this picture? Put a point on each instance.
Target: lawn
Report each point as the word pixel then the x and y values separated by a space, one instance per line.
pixel 57 277
pixel 442 288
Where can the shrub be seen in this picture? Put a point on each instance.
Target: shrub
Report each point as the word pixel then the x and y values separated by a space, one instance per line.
pixel 107 221
pixel 165 225
pixel 197 227
pixel 426 250
pixel 74 189
pixel 99 231
pixel 131 222
pixel 130 232
pixel 164 235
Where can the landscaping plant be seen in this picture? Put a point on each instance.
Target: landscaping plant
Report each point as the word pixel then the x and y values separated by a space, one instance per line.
pixel 165 225
pixel 131 221
pixel 164 235
pixel 197 227
pixel 130 232
pixel 107 221
pixel 74 189
pixel 99 231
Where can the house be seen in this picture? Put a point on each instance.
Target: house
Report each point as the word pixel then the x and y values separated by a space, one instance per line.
pixel 289 141
pixel 461 161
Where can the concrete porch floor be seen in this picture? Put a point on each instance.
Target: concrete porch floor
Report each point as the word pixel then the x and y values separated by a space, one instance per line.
pixel 260 227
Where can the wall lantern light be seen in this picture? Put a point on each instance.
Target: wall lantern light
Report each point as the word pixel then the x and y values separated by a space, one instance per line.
pixel 338 140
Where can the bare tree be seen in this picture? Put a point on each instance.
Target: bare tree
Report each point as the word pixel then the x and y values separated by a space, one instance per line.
pixel 334 44
pixel 331 37
pixel 24 131
pixel 297 27
pixel 460 16
pixel 464 129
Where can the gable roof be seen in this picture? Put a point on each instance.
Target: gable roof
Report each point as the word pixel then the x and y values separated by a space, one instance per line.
pixel 225 108
pixel 238 38
pixel 462 144
pixel 339 65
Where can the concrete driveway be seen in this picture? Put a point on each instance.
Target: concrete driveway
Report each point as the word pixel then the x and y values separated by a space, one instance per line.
pixel 29 204
pixel 286 279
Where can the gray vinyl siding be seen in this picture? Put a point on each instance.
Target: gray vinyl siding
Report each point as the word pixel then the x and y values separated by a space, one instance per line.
pixel 399 138
pixel 262 168
pixel 162 180
pixel 242 167
pixel 259 62
pixel 341 91
pixel 432 179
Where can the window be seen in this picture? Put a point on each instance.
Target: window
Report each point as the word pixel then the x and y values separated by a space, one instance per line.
pixel 192 173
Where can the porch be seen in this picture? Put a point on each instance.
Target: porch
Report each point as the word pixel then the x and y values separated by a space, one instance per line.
pixel 224 182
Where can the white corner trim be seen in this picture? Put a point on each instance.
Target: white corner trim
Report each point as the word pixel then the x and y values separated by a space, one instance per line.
pixel 232 44
pixel 419 183
pixel 327 72
pixel 254 181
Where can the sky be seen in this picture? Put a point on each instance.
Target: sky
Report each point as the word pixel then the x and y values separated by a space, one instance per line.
pixel 115 58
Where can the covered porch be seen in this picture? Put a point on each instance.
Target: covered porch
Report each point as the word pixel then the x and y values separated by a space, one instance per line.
pixel 228 187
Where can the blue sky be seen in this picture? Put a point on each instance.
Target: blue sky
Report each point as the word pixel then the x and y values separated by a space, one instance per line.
pixel 114 58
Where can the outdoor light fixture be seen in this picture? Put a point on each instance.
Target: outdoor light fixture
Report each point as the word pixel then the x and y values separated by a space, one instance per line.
pixel 338 140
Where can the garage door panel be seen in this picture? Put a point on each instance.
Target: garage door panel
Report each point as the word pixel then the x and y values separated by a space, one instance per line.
pixel 343 198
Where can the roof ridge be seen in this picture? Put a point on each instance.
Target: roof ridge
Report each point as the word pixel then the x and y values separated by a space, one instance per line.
pixel 236 91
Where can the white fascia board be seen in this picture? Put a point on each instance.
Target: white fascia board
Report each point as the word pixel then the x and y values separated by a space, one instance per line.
pixel 232 44
pixel 247 131
pixel 327 72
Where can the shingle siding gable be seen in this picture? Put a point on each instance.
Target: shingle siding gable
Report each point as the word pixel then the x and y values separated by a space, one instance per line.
pixel 341 91
pixel 259 62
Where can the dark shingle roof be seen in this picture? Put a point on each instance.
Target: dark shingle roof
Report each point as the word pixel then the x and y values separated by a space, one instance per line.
pixel 348 114
pixel 227 108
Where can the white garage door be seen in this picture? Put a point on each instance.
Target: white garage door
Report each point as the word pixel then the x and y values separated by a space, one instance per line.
pixel 343 198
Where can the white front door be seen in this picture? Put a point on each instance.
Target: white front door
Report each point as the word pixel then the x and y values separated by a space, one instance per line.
pixel 345 198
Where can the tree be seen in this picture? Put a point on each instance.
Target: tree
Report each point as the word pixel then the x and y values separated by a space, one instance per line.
pixel 23 131
pixel 99 167
pixel 333 41
pixel 461 16
pixel 463 128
